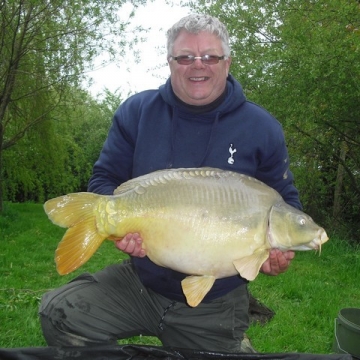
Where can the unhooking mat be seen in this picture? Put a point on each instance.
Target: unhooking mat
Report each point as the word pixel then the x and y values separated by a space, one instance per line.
pixel 136 352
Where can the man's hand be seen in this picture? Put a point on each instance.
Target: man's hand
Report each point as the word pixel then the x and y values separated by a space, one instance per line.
pixel 277 262
pixel 131 244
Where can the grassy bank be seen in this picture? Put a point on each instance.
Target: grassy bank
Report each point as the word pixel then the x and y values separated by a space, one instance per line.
pixel 306 299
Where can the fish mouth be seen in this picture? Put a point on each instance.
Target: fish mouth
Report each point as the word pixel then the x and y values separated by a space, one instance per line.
pixel 315 244
pixel 319 240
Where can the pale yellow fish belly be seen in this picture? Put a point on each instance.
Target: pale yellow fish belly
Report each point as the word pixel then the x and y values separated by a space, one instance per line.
pixel 194 241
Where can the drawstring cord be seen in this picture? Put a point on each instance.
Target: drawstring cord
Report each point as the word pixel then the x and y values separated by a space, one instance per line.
pixel 160 326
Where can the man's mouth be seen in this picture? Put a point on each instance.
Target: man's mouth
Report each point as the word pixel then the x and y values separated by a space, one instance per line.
pixel 203 78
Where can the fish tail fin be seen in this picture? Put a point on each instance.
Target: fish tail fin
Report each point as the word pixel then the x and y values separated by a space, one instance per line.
pixel 68 210
pixel 77 246
pixel 82 239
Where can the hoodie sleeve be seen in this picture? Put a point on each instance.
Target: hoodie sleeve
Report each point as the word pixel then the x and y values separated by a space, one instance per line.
pixel 114 165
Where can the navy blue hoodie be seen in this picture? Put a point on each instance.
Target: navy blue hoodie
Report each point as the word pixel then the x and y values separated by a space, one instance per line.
pixel 154 130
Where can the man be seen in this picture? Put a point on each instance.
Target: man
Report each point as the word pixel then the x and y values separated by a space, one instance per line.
pixel 199 117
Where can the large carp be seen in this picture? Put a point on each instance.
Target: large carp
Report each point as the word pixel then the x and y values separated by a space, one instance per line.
pixel 204 222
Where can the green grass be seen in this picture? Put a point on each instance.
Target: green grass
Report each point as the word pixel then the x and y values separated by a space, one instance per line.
pixel 306 299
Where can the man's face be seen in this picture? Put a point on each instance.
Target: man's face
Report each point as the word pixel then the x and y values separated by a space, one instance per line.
pixel 197 83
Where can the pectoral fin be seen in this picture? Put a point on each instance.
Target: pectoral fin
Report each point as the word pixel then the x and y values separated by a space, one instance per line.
pixel 196 287
pixel 249 266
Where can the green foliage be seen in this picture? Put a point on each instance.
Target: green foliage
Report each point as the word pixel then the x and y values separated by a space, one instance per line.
pixel 306 299
pixel 56 157
pixel 45 49
pixel 300 60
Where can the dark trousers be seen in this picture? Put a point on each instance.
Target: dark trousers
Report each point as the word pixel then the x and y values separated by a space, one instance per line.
pixel 113 304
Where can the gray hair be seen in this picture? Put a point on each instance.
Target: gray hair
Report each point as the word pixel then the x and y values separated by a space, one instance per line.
pixel 196 23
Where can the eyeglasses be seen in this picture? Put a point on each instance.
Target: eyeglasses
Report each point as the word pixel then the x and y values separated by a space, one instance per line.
pixel 206 59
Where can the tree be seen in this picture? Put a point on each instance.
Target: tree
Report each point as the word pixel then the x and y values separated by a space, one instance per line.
pixel 300 59
pixel 45 46
pixel 56 157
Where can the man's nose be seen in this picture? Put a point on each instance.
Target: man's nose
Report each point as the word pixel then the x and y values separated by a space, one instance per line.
pixel 198 63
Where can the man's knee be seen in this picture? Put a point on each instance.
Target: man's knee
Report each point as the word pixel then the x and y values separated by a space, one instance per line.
pixel 58 314
pixel 51 319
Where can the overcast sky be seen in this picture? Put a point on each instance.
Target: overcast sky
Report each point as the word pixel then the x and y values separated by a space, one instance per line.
pixel 153 70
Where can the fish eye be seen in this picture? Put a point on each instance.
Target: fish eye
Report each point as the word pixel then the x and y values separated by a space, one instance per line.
pixel 302 221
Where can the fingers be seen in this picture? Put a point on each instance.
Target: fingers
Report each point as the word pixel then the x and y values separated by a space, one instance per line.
pixel 278 262
pixel 131 244
pixel 289 255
